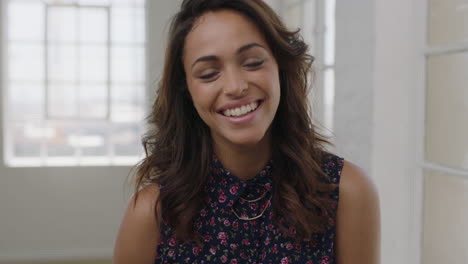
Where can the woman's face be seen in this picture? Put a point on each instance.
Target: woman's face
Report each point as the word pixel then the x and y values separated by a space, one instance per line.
pixel 232 78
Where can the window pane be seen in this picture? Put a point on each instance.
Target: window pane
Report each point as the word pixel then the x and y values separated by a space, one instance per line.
pixel 124 25
pixel 93 139
pixel 26 62
pixel 62 63
pixel 27 138
pixel 329 98
pixel 308 29
pixel 93 25
pixel 93 101
pixel 62 101
pixel 445 15
pixel 62 25
pixel 294 17
pixel 26 101
pixel 25 20
pixel 127 103
pixel 445 238
pixel 127 64
pixel 330 32
pixel 127 139
pixel 93 63
pixel 59 140
pixel 447 110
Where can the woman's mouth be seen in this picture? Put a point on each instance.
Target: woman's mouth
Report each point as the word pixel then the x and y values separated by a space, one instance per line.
pixel 242 110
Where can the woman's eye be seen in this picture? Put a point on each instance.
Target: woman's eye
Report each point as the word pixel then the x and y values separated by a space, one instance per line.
pixel 255 64
pixel 208 76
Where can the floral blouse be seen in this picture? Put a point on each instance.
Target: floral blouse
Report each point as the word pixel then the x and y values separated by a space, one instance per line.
pixel 228 239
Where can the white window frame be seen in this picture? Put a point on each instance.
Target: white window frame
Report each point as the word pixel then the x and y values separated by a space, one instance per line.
pixel 422 164
pixel 78 160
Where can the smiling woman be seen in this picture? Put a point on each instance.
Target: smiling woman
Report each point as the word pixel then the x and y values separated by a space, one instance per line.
pixel 235 170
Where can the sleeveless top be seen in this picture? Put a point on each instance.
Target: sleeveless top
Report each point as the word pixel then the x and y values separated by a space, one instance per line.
pixel 228 239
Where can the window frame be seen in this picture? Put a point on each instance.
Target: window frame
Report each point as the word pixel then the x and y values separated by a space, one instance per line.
pixel 77 159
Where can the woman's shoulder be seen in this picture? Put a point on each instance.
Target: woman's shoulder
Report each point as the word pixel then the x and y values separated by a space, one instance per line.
pixel 139 231
pixel 358 217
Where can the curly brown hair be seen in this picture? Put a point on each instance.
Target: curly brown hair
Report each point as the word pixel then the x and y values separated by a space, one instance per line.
pixel 179 148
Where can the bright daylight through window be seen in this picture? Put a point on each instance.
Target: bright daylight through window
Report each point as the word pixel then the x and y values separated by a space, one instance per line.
pixel 75 82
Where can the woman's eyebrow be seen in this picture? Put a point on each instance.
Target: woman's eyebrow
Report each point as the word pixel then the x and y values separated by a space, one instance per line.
pixel 240 50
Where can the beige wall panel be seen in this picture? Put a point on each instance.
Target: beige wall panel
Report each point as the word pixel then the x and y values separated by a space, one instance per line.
pixel 447 110
pixel 445 15
pixel 445 238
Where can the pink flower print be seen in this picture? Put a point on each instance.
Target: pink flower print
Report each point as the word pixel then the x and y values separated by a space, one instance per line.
pixel 246 225
pixel 223 258
pixel 309 262
pixel 267 241
pixel 207 238
pixel 235 224
pixel 285 260
pixel 221 235
pixel 289 246
pixel 243 255
pixel 213 250
pixel 197 250
pixel 233 246
pixel 172 242
pixel 275 248
pixel 227 222
pixel 233 261
pixel 325 260
pixel 212 221
pixel 267 186
pixel 170 253
pixel 233 190
pixel 222 198
pixel 298 247
pixel 223 182
pixel 203 212
pixel 246 242
pixel 253 206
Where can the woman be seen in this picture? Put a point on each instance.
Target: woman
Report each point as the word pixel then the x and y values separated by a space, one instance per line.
pixel 235 171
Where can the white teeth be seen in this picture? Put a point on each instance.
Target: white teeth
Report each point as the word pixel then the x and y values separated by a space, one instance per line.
pixel 240 111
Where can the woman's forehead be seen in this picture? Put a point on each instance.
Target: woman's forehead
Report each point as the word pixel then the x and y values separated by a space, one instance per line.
pixel 221 31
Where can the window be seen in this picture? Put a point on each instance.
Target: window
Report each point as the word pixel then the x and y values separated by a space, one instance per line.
pixel 444 134
pixel 75 82
pixel 316 19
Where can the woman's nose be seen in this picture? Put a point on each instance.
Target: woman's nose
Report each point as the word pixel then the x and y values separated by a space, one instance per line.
pixel 234 84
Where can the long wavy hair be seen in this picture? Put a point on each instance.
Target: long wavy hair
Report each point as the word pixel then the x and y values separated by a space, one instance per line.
pixel 178 144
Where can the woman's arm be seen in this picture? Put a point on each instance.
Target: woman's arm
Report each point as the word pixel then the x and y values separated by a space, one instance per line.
pixel 358 219
pixel 138 236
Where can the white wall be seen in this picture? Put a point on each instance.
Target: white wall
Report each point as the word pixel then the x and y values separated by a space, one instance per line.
pixel 70 213
pixel 379 68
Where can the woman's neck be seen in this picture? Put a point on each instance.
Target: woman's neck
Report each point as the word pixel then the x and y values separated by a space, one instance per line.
pixel 244 161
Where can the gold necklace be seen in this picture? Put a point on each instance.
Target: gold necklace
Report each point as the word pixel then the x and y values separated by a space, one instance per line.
pixel 255 217
pixel 254 200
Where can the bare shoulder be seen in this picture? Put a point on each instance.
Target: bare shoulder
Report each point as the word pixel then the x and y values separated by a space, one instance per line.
pixel 356 184
pixel 139 231
pixel 358 218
